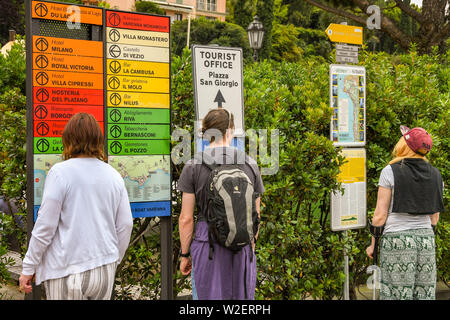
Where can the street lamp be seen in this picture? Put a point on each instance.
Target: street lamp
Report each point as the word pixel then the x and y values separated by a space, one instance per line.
pixel 255 33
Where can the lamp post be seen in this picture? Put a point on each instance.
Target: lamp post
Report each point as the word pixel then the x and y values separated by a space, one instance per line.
pixel 255 33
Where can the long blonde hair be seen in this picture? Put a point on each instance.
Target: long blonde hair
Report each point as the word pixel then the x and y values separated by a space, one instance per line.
pixel 402 151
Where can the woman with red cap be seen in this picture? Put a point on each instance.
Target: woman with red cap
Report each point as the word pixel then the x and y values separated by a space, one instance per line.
pixel 410 198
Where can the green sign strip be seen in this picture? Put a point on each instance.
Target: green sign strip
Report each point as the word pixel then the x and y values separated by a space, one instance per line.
pixel 138 115
pixel 138 147
pixel 138 131
pixel 47 145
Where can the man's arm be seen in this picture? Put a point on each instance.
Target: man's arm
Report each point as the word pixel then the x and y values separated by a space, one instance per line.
pixel 186 229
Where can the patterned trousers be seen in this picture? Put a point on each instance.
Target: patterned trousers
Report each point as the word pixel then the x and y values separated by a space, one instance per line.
pixel 408 265
pixel 95 284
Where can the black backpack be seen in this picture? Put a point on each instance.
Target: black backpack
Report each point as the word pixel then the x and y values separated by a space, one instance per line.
pixel 231 211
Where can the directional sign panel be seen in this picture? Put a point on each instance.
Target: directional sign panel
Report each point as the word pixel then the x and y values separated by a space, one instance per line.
pixel 138 68
pixel 345 34
pixel 142 22
pixel 133 115
pixel 138 100
pixel 138 84
pixel 76 80
pixel 137 37
pixel 68 96
pixel 137 53
pixel 117 68
pixel 67 63
pixel 138 113
pixel 71 47
pixel 139 147
pixel 61 112
pixel 138 131
pixel 217 73
pixel 64 12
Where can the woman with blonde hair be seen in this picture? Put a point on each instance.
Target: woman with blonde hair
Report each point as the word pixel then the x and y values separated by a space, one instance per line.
pixel 84 223
pixel 410 198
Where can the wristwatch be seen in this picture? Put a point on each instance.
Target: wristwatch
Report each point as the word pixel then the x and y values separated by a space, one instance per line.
pixel 185 255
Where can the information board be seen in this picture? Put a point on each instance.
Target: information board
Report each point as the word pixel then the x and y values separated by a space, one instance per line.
pixel 114 65
pixel 348 211
pixel 138 108
pixel 348 102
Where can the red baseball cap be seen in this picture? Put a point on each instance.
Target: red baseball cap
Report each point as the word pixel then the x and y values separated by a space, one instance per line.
pixel 418 139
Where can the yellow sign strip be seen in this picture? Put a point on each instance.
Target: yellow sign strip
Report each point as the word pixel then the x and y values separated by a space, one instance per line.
pixel 138 84
pixel 138 68
pixel 138 100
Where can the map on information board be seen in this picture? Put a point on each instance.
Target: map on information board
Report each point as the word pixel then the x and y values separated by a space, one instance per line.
pixel 347 98
pixel 146 177
pixel 42 164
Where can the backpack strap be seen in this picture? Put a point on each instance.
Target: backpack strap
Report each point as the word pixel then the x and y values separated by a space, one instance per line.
pixel 206 159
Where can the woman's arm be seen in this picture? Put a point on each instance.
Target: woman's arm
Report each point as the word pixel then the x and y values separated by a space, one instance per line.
pixel 186 229
pixel 434 218
pixel 380 214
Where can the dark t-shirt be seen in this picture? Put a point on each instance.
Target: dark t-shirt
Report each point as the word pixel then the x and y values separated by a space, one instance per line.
pixel 195 175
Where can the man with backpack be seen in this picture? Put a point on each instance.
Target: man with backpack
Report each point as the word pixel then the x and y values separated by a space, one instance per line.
pixel 225 186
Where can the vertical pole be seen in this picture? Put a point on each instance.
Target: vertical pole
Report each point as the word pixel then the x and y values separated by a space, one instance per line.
pixel 36 293
pixel 347 281
pixel 166 258
pixel 188 30
pixel 375 282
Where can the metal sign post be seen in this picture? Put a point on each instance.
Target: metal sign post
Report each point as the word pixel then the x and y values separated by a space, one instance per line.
pixel 348 129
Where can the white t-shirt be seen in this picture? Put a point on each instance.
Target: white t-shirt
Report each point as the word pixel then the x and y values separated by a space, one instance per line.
pixel 84 221
pixel 397 221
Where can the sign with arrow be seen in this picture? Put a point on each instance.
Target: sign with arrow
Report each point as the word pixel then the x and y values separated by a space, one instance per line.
pixel 345 34
pixel 217 73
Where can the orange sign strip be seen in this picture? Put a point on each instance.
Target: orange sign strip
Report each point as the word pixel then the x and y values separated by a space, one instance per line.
pixel 59 62
pixel 66 12
pixel 67 79
pixel 65 46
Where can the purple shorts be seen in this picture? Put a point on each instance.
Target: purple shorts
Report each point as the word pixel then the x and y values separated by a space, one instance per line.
pixel 228 276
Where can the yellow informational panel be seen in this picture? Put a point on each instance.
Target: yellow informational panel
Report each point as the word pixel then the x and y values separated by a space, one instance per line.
pixel 138 68
pixel 345 34
pixel 348 211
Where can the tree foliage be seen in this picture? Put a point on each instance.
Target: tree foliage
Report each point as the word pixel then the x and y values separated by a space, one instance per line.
pixel 148 7
pixel 433 19
pixel 207 32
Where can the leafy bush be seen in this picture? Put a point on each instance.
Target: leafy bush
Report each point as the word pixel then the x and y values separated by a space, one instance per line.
pixel 207 32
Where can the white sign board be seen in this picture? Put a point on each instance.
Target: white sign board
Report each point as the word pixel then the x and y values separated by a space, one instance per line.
pixel 348 211
pixel 348 101
pixel 217 74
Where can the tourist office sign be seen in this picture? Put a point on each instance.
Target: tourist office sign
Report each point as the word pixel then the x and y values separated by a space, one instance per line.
pixel 114 65
pixel 217 75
